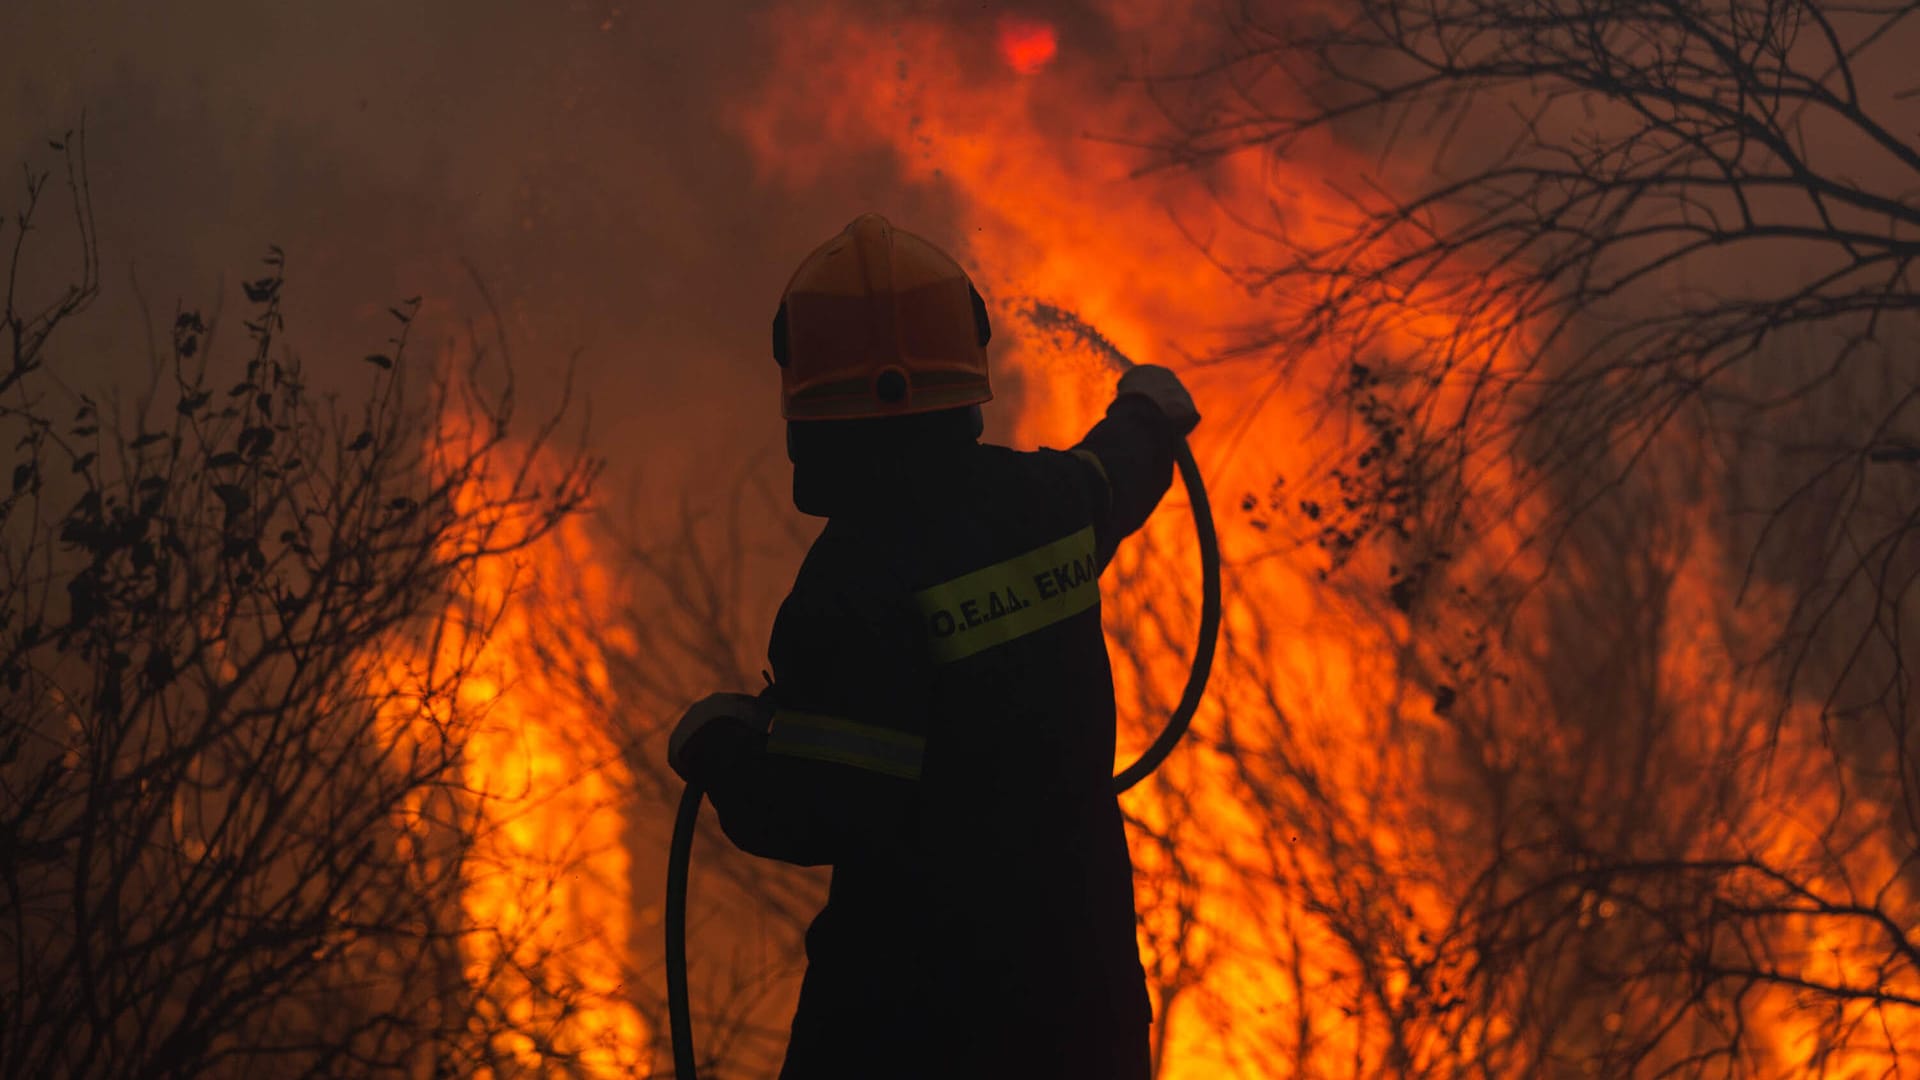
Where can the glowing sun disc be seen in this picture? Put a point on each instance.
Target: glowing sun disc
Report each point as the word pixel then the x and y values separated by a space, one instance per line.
pixel 1027 44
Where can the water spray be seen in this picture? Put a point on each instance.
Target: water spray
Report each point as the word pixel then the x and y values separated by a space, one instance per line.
pixel 1069 329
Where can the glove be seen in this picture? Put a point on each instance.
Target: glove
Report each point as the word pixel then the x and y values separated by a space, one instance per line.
pixel 1163 388
pixel 744 709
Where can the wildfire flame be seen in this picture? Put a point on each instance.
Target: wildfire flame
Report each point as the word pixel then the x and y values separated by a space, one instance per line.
pixel 547 907
pixel 553 794
pixel 1238 959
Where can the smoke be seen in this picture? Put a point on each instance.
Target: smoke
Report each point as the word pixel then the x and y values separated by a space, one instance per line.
pixel 577 159
pixel 587 162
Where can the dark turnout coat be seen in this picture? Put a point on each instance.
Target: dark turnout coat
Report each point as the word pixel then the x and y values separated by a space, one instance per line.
pixel 944 738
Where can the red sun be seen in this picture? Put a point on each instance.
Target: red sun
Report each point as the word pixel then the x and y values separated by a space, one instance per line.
pixel 1027 44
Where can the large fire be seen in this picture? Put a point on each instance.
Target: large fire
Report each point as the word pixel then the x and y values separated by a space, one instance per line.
pixel 1254 892
pixel 547 906
pixel 1314 932
pixel 553 799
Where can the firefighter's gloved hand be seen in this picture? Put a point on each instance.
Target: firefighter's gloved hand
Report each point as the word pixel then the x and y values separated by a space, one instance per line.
pixel 1163 388
pixel 715 712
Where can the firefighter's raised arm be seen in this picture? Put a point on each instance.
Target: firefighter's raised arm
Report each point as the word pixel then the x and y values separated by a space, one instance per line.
pixel 1129 454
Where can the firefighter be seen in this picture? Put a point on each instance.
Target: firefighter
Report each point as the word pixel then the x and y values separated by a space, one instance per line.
pixel 940 724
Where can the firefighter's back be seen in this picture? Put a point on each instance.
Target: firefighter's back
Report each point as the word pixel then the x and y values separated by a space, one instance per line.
pixel 1001 934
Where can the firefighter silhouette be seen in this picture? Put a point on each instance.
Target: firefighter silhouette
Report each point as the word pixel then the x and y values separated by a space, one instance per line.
pixel 940 725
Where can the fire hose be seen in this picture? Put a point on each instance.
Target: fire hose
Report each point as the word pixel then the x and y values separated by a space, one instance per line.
pixel 679 856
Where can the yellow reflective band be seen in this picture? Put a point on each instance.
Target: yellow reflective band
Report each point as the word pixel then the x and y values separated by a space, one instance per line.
pixel 830 738
pixel 1011 599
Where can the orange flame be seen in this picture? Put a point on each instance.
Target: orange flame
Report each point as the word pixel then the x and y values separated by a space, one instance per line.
pixel 1240 959
pixel 1059 219
pixel 545 896
pixel 551 794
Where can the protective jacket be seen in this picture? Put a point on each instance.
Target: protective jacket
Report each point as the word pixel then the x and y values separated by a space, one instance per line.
pixel 943 736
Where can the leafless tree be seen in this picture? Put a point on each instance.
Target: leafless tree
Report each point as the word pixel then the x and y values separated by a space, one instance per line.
pixel 235 827
pixel 1620 299
pixel 1589 864
pixel 1632 213
pixel 663 603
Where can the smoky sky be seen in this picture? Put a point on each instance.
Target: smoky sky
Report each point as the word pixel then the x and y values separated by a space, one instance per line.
pixel 574 157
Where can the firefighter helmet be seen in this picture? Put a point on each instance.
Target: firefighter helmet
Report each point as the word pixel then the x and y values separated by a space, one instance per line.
pixel 879 322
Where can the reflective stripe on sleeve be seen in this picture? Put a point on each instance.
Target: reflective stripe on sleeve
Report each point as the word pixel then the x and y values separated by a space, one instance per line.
pixel 1011 599
pixel 830 738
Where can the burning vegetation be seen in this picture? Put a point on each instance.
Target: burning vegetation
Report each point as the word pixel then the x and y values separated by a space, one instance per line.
pixel 1535 338
pixel 250 824
pixel 1558 368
